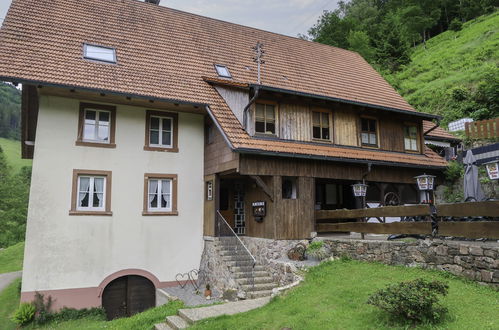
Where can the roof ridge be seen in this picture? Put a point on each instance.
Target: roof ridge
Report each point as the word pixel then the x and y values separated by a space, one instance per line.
pixel 241 25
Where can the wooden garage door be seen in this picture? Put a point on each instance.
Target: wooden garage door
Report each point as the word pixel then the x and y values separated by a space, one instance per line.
pixel 128 295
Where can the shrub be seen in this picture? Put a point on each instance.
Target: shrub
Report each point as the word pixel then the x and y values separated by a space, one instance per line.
pixel 67 314
pixel 318 250
pixel 414 301
pixel 42 308
pixel 24 314
pixel 454 171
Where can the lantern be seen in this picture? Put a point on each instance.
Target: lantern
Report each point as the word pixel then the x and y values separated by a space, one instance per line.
pixel 425 182
pixel 359 189
pixel 493 170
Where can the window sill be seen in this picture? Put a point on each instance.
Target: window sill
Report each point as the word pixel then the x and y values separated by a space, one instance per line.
pixel 267 135
pixel 370 146
pixel 98 213
pixel 172 213
pixel 95 144
pixel 321 140
pixel 161 149
pixel 413 151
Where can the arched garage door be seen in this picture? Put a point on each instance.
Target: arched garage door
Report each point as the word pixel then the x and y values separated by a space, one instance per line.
pixel 128 295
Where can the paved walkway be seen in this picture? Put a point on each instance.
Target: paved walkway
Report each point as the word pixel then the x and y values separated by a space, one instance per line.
pixel 189 296
pixel 187 317
pixel 7 278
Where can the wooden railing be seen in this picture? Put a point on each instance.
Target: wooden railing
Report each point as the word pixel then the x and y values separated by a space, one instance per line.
pixel 469 229
pixel 484 129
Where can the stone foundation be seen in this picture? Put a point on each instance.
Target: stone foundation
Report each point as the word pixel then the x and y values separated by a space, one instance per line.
pixel 273 255
pixel 213 269
pixel 474 260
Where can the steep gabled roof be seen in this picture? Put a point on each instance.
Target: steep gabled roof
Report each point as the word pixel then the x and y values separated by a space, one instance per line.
pixel 438 133
pixel 165 53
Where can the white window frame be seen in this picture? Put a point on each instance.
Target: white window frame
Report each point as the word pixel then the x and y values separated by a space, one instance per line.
pixel 220 71
pixel 96 126
pixel 86 55
pixel 91 187
pixel 160 131
pixel 413 142
pixel 159 194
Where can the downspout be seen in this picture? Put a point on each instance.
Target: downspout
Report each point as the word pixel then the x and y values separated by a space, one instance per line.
pixel 366 173
pixel 246 108
pixel 433 128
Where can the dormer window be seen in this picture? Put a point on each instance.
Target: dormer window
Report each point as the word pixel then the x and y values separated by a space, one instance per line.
pixel 222 71
pixel 99 53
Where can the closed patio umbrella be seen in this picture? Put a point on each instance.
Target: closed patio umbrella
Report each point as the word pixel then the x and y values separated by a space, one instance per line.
pixel 472 189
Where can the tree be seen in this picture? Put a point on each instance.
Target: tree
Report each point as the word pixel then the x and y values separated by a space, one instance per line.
pixel 359 42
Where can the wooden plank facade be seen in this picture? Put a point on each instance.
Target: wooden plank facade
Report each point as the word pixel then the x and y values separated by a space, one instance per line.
pixel 243 178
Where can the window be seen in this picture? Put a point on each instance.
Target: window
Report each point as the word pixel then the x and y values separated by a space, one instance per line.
pixel 96 125
pixel 99 53
pixel 320 125
pixel 289 188
pixel 265 118
pixel 411 138
pixel 91 193
pixel 222 71
pixel 160 194
pixel 368 133
pixel 161 131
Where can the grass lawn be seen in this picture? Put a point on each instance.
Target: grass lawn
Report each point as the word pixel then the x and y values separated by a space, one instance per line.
pixel 334 295
pixel 9 300
pixel 11 258
pixel 12 151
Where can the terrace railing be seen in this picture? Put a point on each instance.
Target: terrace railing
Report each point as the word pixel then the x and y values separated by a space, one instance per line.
pixel 232 241
pixel 483 129
pixel 468 220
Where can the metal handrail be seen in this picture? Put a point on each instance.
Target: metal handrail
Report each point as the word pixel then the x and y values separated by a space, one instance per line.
pixel 235 235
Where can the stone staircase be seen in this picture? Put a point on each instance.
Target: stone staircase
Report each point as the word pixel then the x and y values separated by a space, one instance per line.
pixel 255 281
pixel 187 317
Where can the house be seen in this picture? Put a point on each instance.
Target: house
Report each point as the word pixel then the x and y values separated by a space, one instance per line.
pixel 441 141
pixel 146 124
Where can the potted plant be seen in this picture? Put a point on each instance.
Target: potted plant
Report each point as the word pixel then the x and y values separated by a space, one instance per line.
pixel 207 292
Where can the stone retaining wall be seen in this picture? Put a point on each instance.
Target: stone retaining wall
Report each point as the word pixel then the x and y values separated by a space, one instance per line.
pixel 473 260
pixel 213 269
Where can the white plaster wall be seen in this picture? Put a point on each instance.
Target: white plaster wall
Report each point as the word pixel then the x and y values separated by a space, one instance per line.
pixel 64 251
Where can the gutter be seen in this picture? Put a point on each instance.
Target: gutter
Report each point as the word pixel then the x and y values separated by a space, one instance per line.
pixel 246 108
pixel 96 90
pixel 336 159
pixel 335 99
pixel 433 128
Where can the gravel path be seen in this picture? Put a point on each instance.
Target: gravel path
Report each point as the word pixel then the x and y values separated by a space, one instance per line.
pixel 7 278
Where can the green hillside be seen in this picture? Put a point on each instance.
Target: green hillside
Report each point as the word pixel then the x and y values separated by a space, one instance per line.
pixel 12 152
pixel 456 74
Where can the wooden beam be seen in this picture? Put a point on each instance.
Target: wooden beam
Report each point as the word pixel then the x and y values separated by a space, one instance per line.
pixel 387 211
pixel 469 229
pixel 469 209
pixel 266 189
pixel 422 228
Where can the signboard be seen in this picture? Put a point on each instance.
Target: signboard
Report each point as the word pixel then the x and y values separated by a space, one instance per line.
pixel 493 170
pixel 259 210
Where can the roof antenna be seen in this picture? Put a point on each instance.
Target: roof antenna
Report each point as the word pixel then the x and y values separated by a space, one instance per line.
pixel 259 53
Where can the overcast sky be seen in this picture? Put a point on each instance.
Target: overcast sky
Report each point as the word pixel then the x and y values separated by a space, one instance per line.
pixel 282 16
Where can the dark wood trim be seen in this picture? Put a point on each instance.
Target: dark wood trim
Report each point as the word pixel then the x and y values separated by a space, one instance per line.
pixel 74 192
pixel 174 178
pixel 378 142
pixel 266 189
pixel 173 115
pixel 330 123
pixel 112 123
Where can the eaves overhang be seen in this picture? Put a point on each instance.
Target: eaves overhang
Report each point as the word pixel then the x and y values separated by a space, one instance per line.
pixel 340 100
pixel 334 159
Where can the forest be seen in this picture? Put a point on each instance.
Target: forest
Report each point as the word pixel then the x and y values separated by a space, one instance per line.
pixel 10 111
pixel 441 55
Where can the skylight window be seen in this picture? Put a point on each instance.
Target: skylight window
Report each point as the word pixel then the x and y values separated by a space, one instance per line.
pixel 222 71
pixel 99 53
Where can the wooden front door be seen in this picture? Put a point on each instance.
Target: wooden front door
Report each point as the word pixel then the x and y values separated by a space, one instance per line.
pixel 128 295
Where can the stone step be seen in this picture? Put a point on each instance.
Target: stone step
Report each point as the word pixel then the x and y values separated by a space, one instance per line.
pixel 176 322
pixel 246 274
pixel 257 280
pixel 162 326
pixel 196 314
pixel 258 294
pixel 238 269
pixel 236 258
pixel 258 287
pixel 240 263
